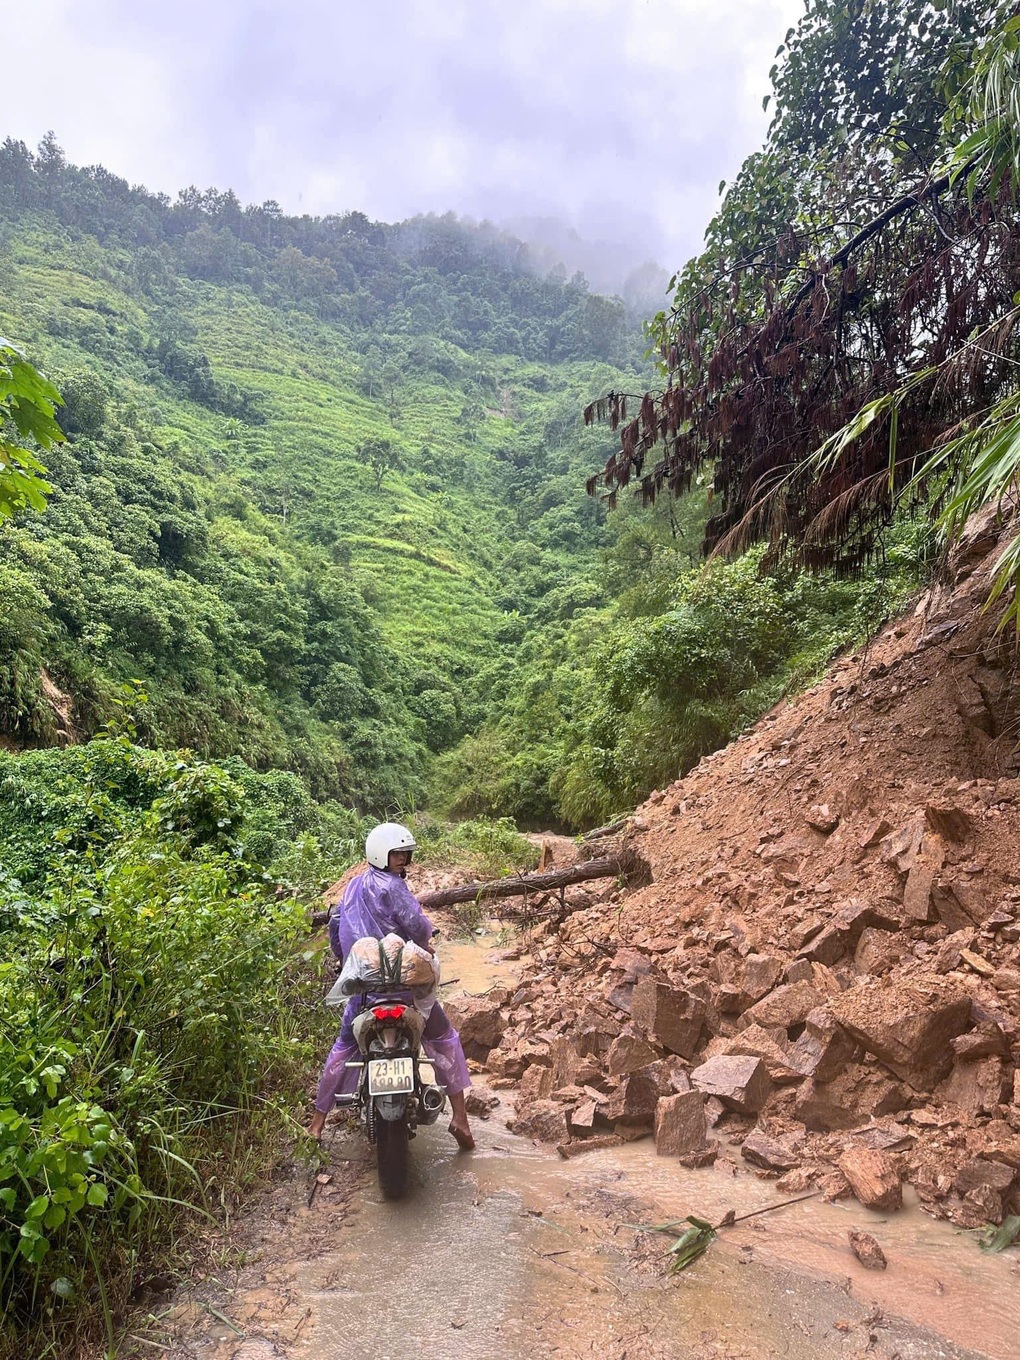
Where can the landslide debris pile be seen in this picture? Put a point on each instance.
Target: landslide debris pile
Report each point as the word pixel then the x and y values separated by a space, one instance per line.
pixel 824 966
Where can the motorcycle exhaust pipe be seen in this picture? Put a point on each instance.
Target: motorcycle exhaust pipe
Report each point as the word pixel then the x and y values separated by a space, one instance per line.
pixel 433 1098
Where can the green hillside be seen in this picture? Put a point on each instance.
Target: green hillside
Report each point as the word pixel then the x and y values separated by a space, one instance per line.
pixel 323 499
pixel 321 474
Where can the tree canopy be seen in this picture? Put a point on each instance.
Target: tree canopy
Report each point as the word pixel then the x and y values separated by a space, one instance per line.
pixel 853 306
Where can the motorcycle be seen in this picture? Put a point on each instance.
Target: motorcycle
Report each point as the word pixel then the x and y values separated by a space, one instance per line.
pixel 397 1089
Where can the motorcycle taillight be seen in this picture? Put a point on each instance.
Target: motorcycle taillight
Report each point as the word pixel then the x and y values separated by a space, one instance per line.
pixel 388 1012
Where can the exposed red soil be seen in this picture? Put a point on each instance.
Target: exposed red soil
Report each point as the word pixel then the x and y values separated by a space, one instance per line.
pixel 836 894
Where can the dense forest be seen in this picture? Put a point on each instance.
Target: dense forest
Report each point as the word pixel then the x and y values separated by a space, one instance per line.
pixel 304 526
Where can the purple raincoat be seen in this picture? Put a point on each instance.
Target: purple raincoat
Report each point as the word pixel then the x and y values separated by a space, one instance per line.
pixel 374 904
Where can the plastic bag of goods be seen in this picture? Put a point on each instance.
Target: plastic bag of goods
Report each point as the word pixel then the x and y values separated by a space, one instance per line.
pixel 388 962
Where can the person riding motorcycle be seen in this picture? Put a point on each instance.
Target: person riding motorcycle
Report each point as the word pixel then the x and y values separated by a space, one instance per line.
pixel 376 903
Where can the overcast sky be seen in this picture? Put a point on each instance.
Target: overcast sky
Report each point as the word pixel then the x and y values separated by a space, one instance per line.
pixel 617 117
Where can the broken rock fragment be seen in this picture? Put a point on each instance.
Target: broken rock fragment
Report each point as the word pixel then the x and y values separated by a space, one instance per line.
pixel 858 913
pixel 680 1124
pixel 740 1082
pixel 899 848
pixel 949 821
pixel 480 1102
pixel 867 1250
pixel 908 1025
pixel 820 817
pixel 987 1041
pixel 874 1177
pixel 924 872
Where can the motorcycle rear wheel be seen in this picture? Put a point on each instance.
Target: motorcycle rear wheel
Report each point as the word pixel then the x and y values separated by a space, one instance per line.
pixel 393 1151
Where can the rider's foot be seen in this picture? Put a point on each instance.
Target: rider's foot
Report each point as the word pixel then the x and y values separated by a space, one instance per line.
pixel 459 1126
pixel 461 1130
pixel 317 1125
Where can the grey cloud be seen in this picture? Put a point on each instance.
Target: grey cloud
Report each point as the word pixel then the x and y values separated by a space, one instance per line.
pixel 618 117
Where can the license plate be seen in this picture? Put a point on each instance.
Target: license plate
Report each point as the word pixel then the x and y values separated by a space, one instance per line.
pixel 390 1076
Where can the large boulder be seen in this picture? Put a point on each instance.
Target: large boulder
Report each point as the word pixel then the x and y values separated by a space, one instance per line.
pixel 959 903
pixel 479 1021
pixel 771 1046
pixel 505 1062
pixel 854 1095
pixel 878 951
pixel 741 1082
pixel 634 1100
pixel 627 1053
pixel 583 1116
pixel 668 1075
pixel 759 974
pixel 545 1120
pixel 986 1186
pixel 536 1084
pixel 975 1086
pixel 670 1018
pixel 625 969
pixel 785 1007
pixel 680 1124
pixel 908 1025
pixel 874 1177
pixel 824 1048
pixel 858 914
pixel 565 1060
pixel 770 1154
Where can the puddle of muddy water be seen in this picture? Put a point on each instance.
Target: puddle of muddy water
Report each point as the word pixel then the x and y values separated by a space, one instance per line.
pixel 465 962
pixel 511 1251
pixel 936 1278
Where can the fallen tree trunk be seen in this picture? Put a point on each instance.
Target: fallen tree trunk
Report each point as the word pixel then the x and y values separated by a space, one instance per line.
pixel 520 886
pixel 524 883
pixel 625 864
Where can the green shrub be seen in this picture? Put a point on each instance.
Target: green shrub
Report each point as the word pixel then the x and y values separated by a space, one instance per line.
pixel 157 1016
pixel 489 847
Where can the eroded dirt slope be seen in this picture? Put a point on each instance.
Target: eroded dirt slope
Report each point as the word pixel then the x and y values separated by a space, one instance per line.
pixel 824 962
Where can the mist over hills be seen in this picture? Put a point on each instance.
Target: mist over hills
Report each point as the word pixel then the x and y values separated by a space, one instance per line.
pixel 620 269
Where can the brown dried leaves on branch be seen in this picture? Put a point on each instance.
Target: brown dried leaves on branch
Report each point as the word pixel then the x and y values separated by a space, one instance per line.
pixel 763 366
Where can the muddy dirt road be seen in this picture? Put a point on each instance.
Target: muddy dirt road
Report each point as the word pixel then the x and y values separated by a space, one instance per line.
pixel 512 1252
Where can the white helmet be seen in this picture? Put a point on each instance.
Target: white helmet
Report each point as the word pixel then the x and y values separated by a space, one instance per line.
pixel 382 839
